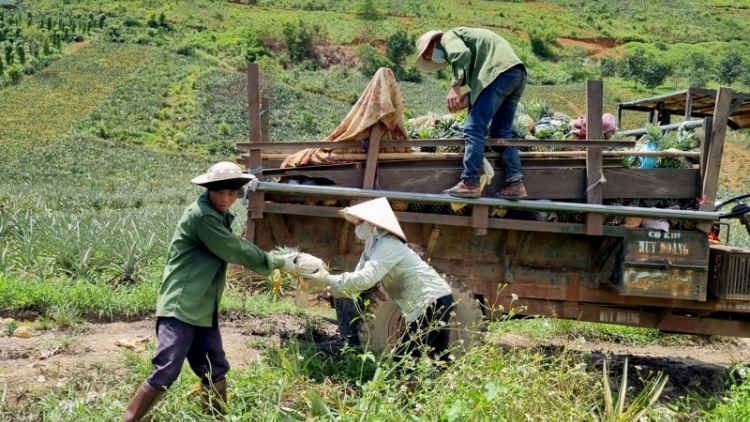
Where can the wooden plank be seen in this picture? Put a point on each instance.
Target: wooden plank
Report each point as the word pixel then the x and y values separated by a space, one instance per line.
pixel 254 160
pixel 371 165
pixel 705 148
pixel 447 156
pixel 594 170
pixel 716 150
pixel 299 145
pixel 480 216
pixel 568 184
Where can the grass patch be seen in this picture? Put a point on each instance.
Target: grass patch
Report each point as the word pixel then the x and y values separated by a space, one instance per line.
pixel 546 328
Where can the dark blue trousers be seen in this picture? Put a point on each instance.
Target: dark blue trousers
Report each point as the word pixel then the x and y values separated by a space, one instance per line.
pixel 177 341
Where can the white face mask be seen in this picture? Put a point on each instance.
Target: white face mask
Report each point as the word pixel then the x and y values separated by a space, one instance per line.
pixel 363 230
pixel 438 56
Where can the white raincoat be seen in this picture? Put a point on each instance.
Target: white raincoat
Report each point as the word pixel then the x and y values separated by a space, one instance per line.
pixel 410 282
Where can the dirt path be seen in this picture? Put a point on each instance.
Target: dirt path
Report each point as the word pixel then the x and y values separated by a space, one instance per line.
pixel 735 160
pixel 91 352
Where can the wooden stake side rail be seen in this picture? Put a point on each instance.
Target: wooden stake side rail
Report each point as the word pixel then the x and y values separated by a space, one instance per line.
pixel 547 183
pixel 389 143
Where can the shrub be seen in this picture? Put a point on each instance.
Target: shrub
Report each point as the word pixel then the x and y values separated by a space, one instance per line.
pixel 371 59
pixel 541 43
pixel 633 65
pixel 300 40
pixel 14 73
pixel 730 68
pixel 654 74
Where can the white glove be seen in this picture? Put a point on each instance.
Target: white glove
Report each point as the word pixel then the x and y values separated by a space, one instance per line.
pixel 320 279
pixel 289 261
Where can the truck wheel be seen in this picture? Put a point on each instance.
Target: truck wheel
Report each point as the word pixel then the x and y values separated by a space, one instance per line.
pixel 384 323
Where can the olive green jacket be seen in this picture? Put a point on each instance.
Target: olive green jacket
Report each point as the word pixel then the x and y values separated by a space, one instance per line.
pixel 477 57
pixel 202 246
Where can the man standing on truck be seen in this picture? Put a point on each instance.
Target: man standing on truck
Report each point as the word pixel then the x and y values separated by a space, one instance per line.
pixel 187 306
pixel 488 64
pixel 424 298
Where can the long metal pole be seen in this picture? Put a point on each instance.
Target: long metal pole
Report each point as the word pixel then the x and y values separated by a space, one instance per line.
pixel 431 198
pixel 687 125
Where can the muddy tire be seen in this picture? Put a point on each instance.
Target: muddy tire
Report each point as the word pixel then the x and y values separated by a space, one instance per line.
pixel 384 323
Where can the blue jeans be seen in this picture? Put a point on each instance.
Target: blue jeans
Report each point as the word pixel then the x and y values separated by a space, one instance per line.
pixel 496 104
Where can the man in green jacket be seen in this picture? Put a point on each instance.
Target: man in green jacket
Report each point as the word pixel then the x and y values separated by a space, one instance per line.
pixel 486 63
pixel 188 302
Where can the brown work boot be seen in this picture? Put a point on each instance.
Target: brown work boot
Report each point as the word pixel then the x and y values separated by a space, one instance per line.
pixel 463 190
pixel 142 402
pixel 214 398
pixel 513 191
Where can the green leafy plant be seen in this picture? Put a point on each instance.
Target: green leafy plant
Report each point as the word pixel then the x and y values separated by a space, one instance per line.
pixel 616 411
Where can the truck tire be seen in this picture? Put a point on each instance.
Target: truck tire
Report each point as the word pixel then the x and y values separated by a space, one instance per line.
pixel 383 323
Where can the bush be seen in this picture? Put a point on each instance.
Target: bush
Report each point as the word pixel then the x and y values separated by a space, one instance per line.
pixel 300 40
pixel 541 43
pixel 372 60
pixel 14 73
pixel 608 67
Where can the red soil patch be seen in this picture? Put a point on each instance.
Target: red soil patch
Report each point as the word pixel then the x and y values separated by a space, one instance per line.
pixel 593 46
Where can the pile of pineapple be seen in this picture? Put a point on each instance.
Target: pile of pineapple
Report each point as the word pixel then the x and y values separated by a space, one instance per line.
pixel 537 120
pixel 656 139
pixel 614 220
pixel 433 126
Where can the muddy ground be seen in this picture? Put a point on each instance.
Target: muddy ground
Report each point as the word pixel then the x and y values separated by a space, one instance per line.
pixel 92 353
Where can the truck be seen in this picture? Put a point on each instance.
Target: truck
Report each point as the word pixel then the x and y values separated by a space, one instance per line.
pixel 498 255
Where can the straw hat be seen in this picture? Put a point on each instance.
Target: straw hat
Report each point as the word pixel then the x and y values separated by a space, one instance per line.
pixel 422 43
pixel 377 212
pixel 223 170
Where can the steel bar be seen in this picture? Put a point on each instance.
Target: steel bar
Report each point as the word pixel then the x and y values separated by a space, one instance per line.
pixel 687 125
pixel 460 155
pixel 431 198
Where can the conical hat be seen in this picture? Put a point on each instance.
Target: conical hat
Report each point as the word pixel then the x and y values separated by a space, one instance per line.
pixel 377 212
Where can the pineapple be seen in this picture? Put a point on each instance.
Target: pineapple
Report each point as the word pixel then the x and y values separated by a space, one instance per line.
pixel 441 208
pixel 673 204
pixel 688 224
pixel 330 202
pixel 311 202
pixel 561 117
pixel 615 220
pixel 461 211
pixel 519 130
pixel 399 206
pixel 650 203
pixel 453 149
pixel 527 121
pixel 578 217
pixel 563 217
pixel 418 207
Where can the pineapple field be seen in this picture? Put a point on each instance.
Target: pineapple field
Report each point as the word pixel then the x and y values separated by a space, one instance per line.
pixel 107 109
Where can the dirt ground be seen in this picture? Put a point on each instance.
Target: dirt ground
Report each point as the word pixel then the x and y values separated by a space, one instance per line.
pixel 92 352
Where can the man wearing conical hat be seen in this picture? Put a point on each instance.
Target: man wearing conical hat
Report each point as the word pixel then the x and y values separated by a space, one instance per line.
pixel 420 293
pixel 188 301
pixel 486 63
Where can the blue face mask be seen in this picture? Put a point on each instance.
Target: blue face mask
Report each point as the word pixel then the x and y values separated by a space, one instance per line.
pixel 438 56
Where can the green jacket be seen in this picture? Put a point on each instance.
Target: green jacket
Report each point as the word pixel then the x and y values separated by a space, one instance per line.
pixel 477 57
pixel 202 246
